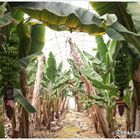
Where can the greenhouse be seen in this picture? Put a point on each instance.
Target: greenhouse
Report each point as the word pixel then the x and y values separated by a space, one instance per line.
pixel 69 69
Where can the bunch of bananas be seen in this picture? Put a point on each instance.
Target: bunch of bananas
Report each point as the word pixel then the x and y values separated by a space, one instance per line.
pixel 9 65
pixel 121 71
pixel 9 70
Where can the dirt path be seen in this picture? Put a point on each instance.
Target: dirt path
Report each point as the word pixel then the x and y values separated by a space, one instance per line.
pixel 73 125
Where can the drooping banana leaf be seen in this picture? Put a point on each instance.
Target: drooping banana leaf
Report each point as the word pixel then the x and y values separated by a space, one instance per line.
pixel 2 9
pixel 130 37
pixel 24 62
pixel 23 101
pixel 117 8
pixel 38 38
pixel 6 20
pixel 64 16
pixel 133 10
pixel 126 16
pixel 31 41
pixel 25 39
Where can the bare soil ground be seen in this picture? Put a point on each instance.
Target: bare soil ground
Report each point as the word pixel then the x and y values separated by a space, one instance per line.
pixel 74 125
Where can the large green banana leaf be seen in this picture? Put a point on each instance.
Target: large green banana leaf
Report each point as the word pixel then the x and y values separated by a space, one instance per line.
pixel 117 8
pixel 30 41
pixel 62 16
pixel 126 16
pixel 25 40
pixel 24 62
pixel 38 38
pixel 23 101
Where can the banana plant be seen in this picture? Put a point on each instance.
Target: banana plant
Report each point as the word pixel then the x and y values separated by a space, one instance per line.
pixel 99 69
pixel 62 16
pixel 55 81
pixel 21 37
pixel 128 15
pixel 54 88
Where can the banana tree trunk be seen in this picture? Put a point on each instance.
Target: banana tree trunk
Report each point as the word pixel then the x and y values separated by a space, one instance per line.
pixel 66 105
pixel 77 104
pixel 48 115
pixel 15 132
pixel 103 122
pixel 38 79
pixel 136 102
pixel 128 123
pixel 62 105
pixel 36 93
pixel 24 123
pixel 57 109
pixel 2 132
pixel 52 110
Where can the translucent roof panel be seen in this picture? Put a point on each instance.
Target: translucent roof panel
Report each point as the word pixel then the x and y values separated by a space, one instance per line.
pixel 56 41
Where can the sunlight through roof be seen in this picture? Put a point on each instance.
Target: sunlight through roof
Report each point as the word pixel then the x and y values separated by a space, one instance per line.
pixel 56 41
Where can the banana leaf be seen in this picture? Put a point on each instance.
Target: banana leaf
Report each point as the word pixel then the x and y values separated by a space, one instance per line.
pixel 97 98
pixel 24 62
pixel 18 15
pixel 30 45
pixel 99 84
pixel 126 17
pixel 111 48
pixel 133 10
pixel 38 38
pixel 63 16
pixel 6 20
pixel 2 8
pixel 102 48
pixel 92 58
pixel 25 40
pixel 51 68
pixel 60 67
pixel 117 8
pixel 23 101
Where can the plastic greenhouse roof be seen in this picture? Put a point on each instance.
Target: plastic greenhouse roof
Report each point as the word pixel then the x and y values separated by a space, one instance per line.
pixel 56 41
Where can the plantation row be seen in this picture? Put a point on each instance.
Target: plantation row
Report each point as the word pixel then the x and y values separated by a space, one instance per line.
pixel 35 89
